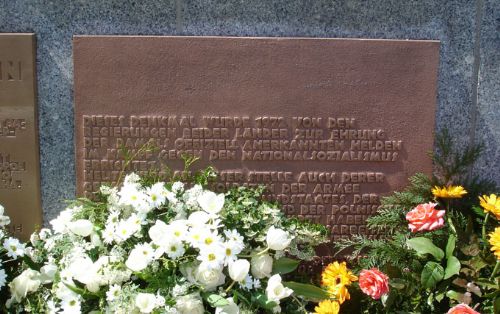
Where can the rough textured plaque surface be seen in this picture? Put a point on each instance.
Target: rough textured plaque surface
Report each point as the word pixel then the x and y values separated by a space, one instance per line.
pixel 19 157
pixel 328 125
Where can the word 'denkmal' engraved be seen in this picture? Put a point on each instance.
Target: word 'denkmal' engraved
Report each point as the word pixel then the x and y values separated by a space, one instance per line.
pixel 19 152
pixel 327 125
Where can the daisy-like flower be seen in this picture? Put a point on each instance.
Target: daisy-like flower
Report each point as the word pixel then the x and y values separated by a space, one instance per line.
pixel 113 293
pixel 14 247
pixel 336 277
pixel 109 233
pixel 156 194
pixel 177 187
pixel 452 191
pixel 212 256
pixel 234 236
pixel 210 238
pixel 327 307
pixel 491 204
pixel 125 229
pixel 178 229
pixel 70 305
pixel 231 250
pixel 247 284
pixel 175 249
pixel 495 242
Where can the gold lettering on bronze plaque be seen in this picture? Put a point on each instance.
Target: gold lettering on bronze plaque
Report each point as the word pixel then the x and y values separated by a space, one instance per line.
pixel 19 153
pixel 328 125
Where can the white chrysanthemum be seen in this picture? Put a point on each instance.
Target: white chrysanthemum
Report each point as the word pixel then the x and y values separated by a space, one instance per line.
pixel 113 293
pixel 3 277
pixel 212 256
pixel 131 195
pixel 14 247
pixel 125 229
pixel 156 194
pixel 178 229
pixel 194 236
pixel 159 233
pixel 109 233
pixel 175 249
pixel 211 203
pixel 71 305
pixel 210 238
pixel 234 236
pixel 230 252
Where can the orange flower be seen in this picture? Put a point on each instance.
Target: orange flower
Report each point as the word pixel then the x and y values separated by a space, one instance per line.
pixel 462 309
pixel 374 283
pixel 425 217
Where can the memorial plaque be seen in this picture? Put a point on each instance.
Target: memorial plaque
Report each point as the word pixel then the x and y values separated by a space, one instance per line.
pixel 328 125
pixel 19 152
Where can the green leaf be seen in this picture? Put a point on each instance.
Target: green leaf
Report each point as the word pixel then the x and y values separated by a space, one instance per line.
pixel 397 283
pixel 307 291
pixel 263 301
pixel 478 211
pixel 452 294
pixel 285 265
pixel 452 267
pixel 450 246
pixel 425 246
pixel 496 305
pixel 431 274
pixel 215 300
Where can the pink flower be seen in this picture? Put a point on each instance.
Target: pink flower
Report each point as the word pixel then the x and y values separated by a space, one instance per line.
pixel 425 218
pixel 374 283
pixel 462 309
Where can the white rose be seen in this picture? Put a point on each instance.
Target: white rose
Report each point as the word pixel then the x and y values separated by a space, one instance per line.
pixel 210 202
pixel 190 304
pixel 27 281
pixel 238 270
pixel 209 278
pixel 231 308
pixel 277 239
pixel 81 227
pixel 145 302
pixel 48 272
pixel 262 266
pixel 275 290
pixel 159 233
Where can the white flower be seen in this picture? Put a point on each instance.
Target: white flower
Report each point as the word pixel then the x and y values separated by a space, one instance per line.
pixel 81 227
pixel 238 270
pixel 190 304
pixel 256 283
pixel 198 218
pixel 275 290
pixel 156 194
pixel 48 273
pixel 131 179
pixel 209 278
pixel 60 224
pixel 177 187
pixel 27 281
pixel 4 220
pixel 160 301
pixel 262 265
pixel 145 302
pixel 109 233
pixel 131 195
pixel 159 233
pixel 14 247
pixel 86 272
pixel 3 277
pixel 174 249
pixel 230 308
pixel 210 238
pixel 210 202
pixel 113 293
pixel 212 256
pixel 178 229
pixel 277 239
pixel 71 305
pixel 140 257
pixel 125 229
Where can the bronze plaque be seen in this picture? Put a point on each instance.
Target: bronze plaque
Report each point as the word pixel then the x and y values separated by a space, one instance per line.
pixel 19 150
pixel 328 125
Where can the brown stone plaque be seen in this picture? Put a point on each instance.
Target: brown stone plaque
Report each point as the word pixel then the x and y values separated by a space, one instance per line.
pixel 19 152
pixel 328 125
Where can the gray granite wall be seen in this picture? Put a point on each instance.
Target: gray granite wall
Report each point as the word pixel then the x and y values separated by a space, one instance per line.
pixel 469 82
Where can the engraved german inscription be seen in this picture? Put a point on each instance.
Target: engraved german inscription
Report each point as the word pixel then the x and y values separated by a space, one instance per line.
pixel 328 126
pixel 19 157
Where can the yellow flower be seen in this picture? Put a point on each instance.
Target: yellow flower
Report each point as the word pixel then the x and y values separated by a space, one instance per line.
pixel 452 191
pixel 327 307
pixel 495 242
pixel 491 204
pixel 337 273
pixel 335 278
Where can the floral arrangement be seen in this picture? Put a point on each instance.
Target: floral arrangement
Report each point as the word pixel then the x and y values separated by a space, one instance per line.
pixel 153 247
pixel 440 250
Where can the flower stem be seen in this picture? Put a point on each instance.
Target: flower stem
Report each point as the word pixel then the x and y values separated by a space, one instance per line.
pixel 495 270
pixel 230 286
pixel 484 231
pixel 301 305
pixel 450 221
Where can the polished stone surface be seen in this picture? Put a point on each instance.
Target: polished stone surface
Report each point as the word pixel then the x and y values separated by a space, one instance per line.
pixel 453 22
